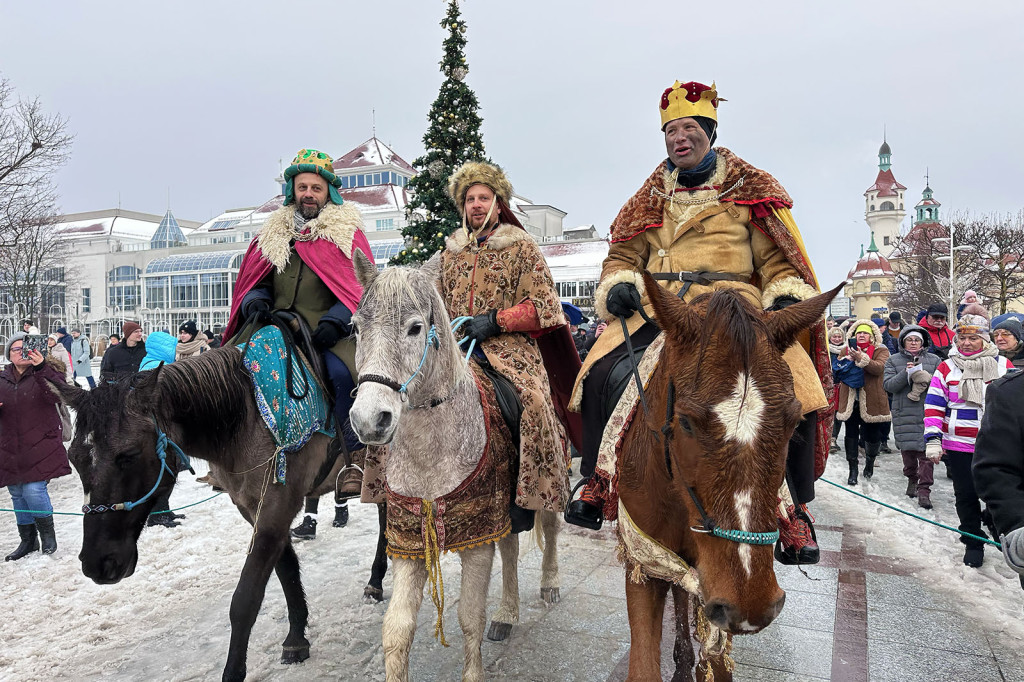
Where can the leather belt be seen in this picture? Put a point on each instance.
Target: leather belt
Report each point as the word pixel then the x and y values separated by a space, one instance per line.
pixel 701 278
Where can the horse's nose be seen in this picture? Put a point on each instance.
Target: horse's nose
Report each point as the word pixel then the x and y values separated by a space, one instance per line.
pixel 384 421
pixel 730 618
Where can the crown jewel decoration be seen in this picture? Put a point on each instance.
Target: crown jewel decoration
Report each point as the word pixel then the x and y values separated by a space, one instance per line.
pixel 684 100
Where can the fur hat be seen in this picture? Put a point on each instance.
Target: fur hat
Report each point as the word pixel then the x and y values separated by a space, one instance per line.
pixel 478 173
pixel 128 327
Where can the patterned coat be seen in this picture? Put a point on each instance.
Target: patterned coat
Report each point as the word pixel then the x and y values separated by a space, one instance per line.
pixel 506 270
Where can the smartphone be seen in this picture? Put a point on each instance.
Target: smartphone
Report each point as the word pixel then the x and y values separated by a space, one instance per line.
pixel 34 342
pixel 852 343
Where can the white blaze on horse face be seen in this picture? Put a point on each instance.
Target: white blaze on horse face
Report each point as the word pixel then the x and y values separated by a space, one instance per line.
pixel 743 503
pixel 740 414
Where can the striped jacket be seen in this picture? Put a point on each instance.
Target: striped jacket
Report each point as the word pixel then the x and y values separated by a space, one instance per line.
pixel 946 416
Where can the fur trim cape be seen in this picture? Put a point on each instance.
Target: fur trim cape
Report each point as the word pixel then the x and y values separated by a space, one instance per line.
pixel 336 231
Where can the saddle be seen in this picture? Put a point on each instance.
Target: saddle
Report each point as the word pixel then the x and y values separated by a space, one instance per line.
pixel 618 378
pixel 511 408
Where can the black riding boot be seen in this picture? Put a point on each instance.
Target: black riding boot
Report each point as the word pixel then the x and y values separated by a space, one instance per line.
pixel 852 456
pixel 29 542
pixel 47 536
pixel 871 452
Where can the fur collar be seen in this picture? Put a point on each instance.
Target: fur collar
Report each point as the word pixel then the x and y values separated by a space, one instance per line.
pixel 337 224
pixel 851 331
pixel 504 236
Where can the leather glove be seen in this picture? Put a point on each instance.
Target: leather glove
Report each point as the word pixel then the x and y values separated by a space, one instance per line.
pixel 783 302
pixel 623 299
pixel 933 450
pixel 483 327
pixel 325 336
pixel 260 308
pixel 1013 549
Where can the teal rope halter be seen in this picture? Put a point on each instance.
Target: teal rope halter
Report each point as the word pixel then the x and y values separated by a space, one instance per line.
pixel 162 443
pixel 746 537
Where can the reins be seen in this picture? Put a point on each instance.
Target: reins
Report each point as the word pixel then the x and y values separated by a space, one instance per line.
pixel 162 443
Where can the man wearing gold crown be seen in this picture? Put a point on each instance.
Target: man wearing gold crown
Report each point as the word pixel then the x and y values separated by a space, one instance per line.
pixel 706 220
pixel 301 261
pixel 493 271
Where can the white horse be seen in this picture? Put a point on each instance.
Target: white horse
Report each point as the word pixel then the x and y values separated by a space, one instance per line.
pixel 433 449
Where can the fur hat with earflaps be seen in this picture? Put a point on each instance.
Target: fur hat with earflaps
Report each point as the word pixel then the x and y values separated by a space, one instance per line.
pixel 478 173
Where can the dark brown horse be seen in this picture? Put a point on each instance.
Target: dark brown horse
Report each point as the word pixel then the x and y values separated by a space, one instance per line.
pixel 710 452
pixel 127 431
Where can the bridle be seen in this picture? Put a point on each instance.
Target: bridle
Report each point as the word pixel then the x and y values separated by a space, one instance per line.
pixel 707 524
pixel 162 443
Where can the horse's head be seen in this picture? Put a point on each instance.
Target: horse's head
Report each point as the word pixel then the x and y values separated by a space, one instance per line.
pixel 399 307
pixel 734 413
pixel 114 452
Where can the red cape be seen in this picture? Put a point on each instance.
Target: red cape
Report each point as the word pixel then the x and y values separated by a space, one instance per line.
pixel 323 257
pixel 562 362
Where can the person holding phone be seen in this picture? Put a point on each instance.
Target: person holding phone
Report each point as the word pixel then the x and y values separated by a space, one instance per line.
pixel 31 449
pixel 863 403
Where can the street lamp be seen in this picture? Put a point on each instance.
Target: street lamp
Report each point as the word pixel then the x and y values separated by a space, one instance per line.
pixel 942 259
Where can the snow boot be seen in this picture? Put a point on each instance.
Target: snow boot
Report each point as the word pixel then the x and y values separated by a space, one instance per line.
pixel 924 499
pixel 911 487
pixel 833 446
pixel 47 536
pixel 974 557
pixel 852 458
pixel 165 519
pixel 29 542
pixel 340 515
pixel 307 529
pixel 885 449
pixel 871 450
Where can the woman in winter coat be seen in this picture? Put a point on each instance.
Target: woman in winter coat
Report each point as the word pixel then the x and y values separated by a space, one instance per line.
pixel 836 345
pixel 1008 336
pixel 953 411
pixel 190 341
pixel 31 449
pixel 58 352
pixel 907 376
pixel 863 404
pixel 81 357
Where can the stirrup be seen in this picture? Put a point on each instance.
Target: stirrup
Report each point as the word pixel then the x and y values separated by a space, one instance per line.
pixel 574 508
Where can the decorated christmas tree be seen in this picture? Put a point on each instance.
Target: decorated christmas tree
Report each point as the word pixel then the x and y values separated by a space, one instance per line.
pixel 452 138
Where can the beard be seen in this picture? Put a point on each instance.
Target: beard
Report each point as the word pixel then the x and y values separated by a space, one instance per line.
pixel 310 210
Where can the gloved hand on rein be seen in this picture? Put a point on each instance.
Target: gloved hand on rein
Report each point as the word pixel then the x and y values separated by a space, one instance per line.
pixel 260 309
pixel 783 302
pixel 623 299
pixel 325 336
pixel 482 327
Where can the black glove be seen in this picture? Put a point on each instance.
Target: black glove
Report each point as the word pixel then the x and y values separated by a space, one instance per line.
pixel 259 308
pixel 783 302
pixel 483 327
pixel 623 299
pixel 325 336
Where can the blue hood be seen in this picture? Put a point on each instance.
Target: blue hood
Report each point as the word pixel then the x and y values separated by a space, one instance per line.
pixel 160 347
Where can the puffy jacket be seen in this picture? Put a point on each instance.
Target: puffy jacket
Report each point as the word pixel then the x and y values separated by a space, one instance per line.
pixel 907 414
pixel 160 347
pixel 31 441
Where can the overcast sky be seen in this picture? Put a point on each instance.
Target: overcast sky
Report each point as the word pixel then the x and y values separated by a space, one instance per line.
pixel 203 98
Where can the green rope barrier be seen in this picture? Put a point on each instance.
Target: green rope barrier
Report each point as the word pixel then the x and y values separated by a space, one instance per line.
pixel 914 516
pixel 58 513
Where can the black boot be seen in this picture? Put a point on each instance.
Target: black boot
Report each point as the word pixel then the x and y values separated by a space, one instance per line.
pixel 305 530
pixel 165 519
pixel 852 455
pixel 47 536
pixel 340 515
pixel 871 452
pixel 29 542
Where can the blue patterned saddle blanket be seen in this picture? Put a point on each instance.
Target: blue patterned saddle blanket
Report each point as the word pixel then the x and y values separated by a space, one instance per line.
pixel 291 422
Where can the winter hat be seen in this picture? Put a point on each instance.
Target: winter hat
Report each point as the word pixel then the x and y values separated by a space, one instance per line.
pixel 1012 325
pixel 974 309
pixel 128 327
pixel 478 173
pixel 916 334
pixel 16 336
pixel 938 309
pixel 208 334
pixel 879 322
pixel 896 319
pixel 61 331
pixel 312 161
pixel 864 328
pixel 973 324
pixel 189 328
pixel 969 292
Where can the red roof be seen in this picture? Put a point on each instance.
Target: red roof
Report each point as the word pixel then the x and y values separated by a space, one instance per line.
pixel 377 196
pixel 885 184
pixel 872 264
pixel 373 152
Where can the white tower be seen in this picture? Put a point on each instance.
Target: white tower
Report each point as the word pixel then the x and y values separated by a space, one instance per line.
pixel 883 205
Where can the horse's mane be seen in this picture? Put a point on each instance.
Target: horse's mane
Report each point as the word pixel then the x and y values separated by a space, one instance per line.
pixel 731 320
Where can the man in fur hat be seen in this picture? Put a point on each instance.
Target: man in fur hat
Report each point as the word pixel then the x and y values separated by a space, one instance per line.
pixel 493 271
pixel 708 220
pixel 301 261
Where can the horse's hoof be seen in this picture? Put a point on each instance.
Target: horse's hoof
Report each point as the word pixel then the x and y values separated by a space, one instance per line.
pixel 499 632
pixel 294 654
pixel 372 595
pixel 550 595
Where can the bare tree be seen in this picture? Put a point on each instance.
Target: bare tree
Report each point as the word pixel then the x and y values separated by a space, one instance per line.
pixel 33 145
pixel 998 249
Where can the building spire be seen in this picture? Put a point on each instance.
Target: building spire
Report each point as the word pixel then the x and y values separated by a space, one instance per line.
pixel 872 248
pixel 861 251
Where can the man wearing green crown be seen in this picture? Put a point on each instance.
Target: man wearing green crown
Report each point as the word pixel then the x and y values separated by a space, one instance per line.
pixel 301 261
pixel 707 220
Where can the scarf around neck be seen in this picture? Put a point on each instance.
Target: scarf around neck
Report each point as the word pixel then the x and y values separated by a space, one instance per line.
pixel 697 176
pixel 978 369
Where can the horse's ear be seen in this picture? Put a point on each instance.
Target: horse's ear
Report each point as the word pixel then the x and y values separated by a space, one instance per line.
pixel 670 312
pixel 366 271
pixel 72 395
pixel 432 268
pixel 785 325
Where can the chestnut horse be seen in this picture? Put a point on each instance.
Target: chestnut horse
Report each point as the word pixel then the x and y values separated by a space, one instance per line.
pixel 699 474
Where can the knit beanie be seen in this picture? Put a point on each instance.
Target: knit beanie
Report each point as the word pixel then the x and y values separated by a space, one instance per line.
pixel 16 336
pixel 973 324
pixel 128 327
pixel 864 328
pixel 189 328
pixel 1012 325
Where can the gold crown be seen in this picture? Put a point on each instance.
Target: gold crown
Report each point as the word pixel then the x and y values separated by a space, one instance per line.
pixel 689 99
